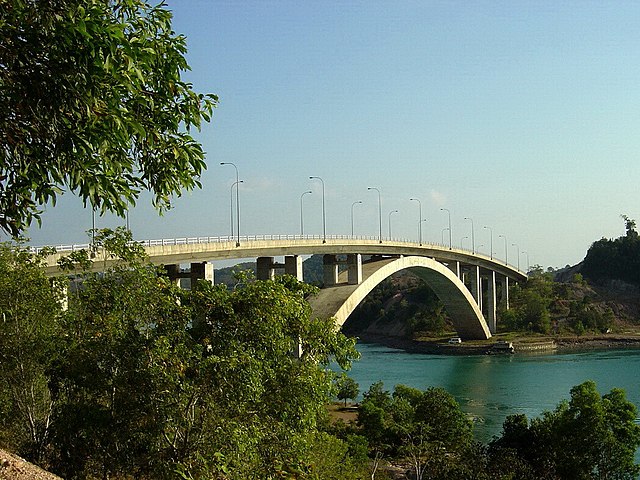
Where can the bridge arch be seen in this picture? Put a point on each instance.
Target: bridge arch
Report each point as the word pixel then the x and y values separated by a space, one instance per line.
pixel 340 301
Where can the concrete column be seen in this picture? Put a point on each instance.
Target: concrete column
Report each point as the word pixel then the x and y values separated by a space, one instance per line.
pixel 293 266
pixel 455 268
pixel 264 268
pixel 504 296
pixel 201 271
pixel 491 302
pixel 354 264
pixel 173 272
pixel 476 289
pixel 330 270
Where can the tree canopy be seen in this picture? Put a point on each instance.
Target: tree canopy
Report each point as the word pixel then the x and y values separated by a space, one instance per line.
pixel 93 102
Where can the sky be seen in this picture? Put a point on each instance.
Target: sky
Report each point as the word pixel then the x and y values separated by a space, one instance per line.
pixel 522 116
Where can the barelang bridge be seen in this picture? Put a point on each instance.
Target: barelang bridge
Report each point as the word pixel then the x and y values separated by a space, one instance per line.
pixel 469 284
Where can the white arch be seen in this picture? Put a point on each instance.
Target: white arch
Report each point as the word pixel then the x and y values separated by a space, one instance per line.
pixel 460 304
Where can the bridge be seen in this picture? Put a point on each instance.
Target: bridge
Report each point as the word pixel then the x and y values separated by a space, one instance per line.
pixel 469 284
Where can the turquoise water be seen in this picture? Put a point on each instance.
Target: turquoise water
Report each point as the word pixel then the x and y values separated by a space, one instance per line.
pixel 490 387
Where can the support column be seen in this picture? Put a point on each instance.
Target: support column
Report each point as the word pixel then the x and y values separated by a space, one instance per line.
pixel 455 268
pixel 504 297
pixel 293 266
pixel 264 268
pixel 201 271
pixel 330 270
pixel 476 282
pixel 491 302
pixel 173 272
pixel 354 265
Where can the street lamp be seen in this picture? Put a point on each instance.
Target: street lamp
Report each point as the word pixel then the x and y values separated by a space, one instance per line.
pixel 353 205
pixel 379 210
pixel 491 244
pixel 449 213
pixel 324 215
pixel 466 236
pixel 420 225
pixel 237 200
pixel 518 250
pixel 419 219
pixel 506 254
pixel 528 266
pixel 473 237
pixel 236 185
pixel 442 235
pixel 301 216
pixel 391 213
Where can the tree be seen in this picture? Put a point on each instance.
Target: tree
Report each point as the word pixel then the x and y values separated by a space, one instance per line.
pixel 152 380
pixel 30 316
pixel 347 387
pixel 588 437
pixel 93 101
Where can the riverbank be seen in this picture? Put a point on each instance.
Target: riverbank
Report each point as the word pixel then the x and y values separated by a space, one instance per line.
pixel 440 346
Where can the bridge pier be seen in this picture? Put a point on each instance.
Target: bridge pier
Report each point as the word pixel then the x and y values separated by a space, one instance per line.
pixel 476 284
pixel 198 271
pixel 504 294
pixel 329 270
pixel 491 302
pixel 455 268
pixel 354 268
pixel 266 267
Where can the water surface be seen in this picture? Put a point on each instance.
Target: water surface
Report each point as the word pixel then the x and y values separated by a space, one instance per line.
pixel 490 387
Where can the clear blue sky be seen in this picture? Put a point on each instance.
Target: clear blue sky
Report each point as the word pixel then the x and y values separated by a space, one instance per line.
pixel 524 116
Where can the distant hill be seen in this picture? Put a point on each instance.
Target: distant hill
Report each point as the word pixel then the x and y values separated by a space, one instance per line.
pixel 614 259
pixel 311 270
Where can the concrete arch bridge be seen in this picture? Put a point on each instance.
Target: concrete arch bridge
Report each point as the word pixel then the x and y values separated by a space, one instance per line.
pixel 470 285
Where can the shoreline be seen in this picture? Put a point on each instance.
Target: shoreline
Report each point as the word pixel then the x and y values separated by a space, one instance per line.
pixel 521 344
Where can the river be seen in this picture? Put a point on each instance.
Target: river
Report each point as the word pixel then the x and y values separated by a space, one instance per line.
pixel 490 387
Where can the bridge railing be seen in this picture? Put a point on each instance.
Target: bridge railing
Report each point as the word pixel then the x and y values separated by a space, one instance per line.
pixel 220 239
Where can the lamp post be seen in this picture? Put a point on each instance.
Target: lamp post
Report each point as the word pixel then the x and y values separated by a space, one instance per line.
pixel 236 185
pixel 528 266
pixel 491 243
pixel 449 214
pixel 324 214
pixel 379 210
pixel 506 254
pixel 466 236
pixel 391 213
pixel 420 225
pixel 237 200
pixel 473 237
pixel 301 215
pixel 419 219
pixel 353 205
pixel 442 235
pixel 518 250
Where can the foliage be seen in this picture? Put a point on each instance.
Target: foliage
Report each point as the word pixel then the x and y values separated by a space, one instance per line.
pixel 403 300
pixel 541 302
pixel 93 101
pixel 30 314
pixel 615 259
pixel 529 305
pixel 149 381
pixel 347 388
pixel 591 436
pixel 427 427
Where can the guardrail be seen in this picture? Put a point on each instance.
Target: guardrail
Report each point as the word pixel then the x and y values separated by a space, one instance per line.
pixel 224 239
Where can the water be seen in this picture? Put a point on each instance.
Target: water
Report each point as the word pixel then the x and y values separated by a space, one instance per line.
pixel 490 387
